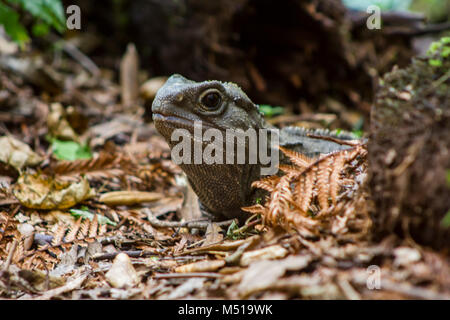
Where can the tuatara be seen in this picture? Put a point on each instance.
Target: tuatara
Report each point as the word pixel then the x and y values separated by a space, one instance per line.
pixel 224 188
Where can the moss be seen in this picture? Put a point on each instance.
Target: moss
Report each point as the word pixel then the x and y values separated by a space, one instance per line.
pixel 439 51
pixel 410 123
pixel 435 62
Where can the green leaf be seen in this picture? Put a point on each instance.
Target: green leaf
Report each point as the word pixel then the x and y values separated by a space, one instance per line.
pixel 445 52
pixel 446 220
pixel 40 29
pixel 70 150
pixel 385 5
pixel 50 11
pixel 434 47
pixel 85 214
pixel 435 62
pixel 230 234
pixel 10 21
pixel 358 133
pixel 270 111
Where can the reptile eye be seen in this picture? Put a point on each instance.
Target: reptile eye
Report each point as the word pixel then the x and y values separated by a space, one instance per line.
pixel 211 100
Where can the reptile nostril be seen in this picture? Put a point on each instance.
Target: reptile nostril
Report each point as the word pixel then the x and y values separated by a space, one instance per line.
pixel 179 97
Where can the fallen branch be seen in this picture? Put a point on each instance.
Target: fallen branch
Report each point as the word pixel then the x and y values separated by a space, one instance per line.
pixel 193 224
pixel 69 286
pixel 187 275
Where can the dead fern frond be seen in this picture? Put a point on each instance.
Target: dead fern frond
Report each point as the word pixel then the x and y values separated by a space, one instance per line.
pixel 335 177
pixel 58 234
pixel 297 158
pixel 280 199
pixel 104 166
pixel 313 194
pixel 289 169
pixel 93 228
pixel 73 230
pixel 84 229
pixel 267 183
pixel 323 179
pixel 303 190
pixel 255 209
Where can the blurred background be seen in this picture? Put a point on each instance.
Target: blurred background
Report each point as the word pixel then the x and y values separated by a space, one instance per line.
pixel 306 56
pixel 80 158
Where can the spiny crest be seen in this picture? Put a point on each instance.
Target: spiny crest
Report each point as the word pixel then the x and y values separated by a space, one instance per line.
pixel 345 135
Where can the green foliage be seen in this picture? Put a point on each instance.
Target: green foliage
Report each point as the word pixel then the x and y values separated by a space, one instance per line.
pixel 435 62
pixel 446 220
pixel 358 133
pixel 48 13
pixel 230 232
pixel 434 47
pixel 447 173
pixel 10 21
pixel 445 52
pixel 269 111
pixel 439 48
pixel 85 214
pixel 70 150
pixel 385 5
pixel 438 52
pixel 40 29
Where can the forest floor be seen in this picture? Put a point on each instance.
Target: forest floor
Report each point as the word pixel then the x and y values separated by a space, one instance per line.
pixel 68 212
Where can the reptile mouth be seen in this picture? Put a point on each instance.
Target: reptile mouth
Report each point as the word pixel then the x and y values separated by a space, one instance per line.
pixel 175 121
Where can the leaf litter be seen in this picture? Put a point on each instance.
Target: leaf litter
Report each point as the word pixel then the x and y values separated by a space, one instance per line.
pixel 95 211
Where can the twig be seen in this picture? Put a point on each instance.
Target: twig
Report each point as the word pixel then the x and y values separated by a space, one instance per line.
pixel 412 291
pixel 407 290
pixel 359 18
pixel 235 257
pixel 130 253
pixel 69 286
pixel 10 255
pixel 79 56
pixel 187 275
pixel 417 30
pixel 193 224
pixel 47 279
pixel 439 81
pixel 246 226
pixel 347 289
pixel 335 140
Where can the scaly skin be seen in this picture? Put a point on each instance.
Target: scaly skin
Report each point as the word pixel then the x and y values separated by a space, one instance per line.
pixel 224 188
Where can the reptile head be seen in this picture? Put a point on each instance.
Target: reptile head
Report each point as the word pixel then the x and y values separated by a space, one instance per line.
pixel 219 105
pixel 222 188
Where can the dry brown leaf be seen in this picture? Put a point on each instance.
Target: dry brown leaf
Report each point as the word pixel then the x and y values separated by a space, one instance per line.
pixel 38 191
pixel 151 86
pixel 262 275
pixel 17 154
pixel 58 126
pixel 129 68
pixel 201 266
pixel 120 198
pixel 212 234
pixel 268 253
pixel 122 273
